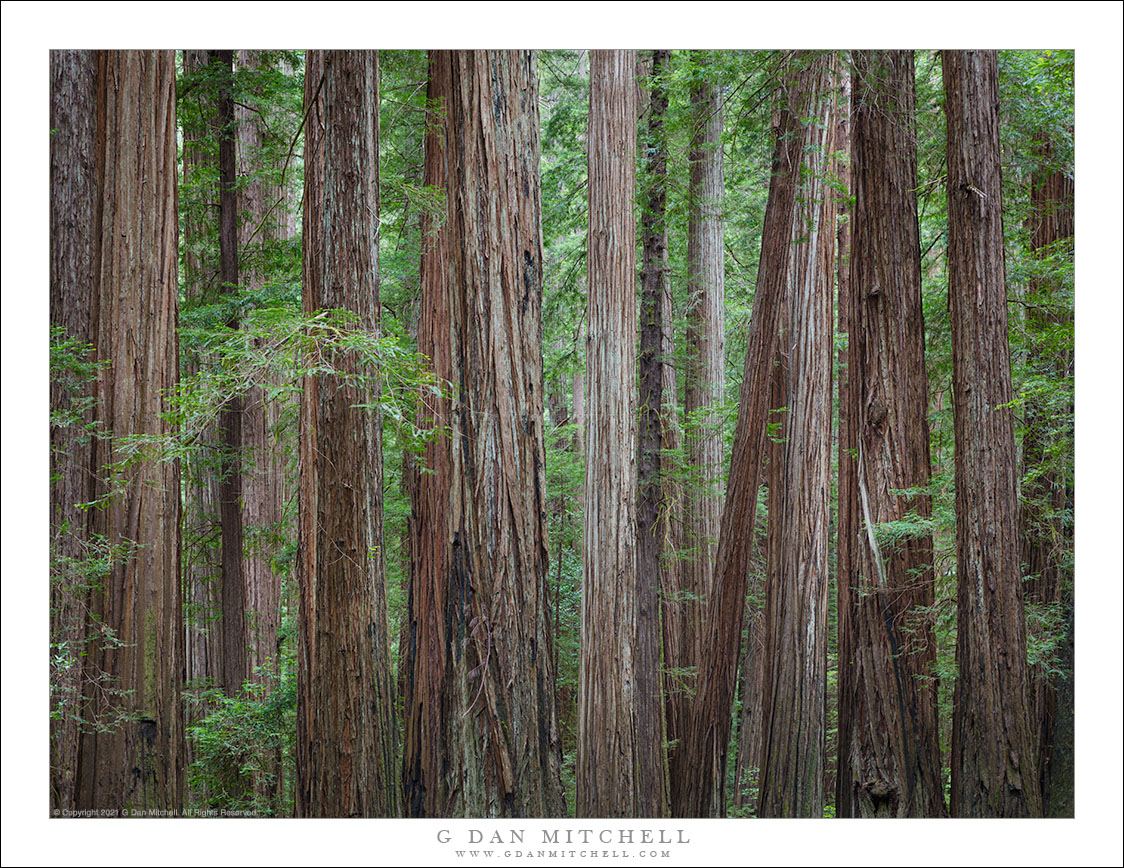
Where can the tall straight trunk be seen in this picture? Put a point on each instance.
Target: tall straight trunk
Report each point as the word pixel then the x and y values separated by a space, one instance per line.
pixel 135 641
pixel 202 551
pixel 481 735
pixel 73 251
pixel 654 562
pixel 233 594
pixel 260 209
pixel 702 750
pixel 994 756
pixel 609 757
pixel 706 360
pixel 345 724
pixel 847 515
pixel 792 765
pixel 1047 536
pixel 890 766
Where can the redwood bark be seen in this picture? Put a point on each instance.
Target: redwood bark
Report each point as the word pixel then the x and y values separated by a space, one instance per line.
pixel 654 561
pixel 705 374
pixel 263 465
pixel 609 757
pixel 1047 537
pixel 890 766
pixel 202 564
pixel 233 589
pixel 345 726
pixel 134 628
pixel 792 764
pixel 994 758
pixel 703 748
pixel 74 210
pixel 481 734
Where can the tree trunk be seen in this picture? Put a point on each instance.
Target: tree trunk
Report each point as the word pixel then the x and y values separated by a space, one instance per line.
pixel 653 560
pixel 994 759
pixel 345 724
pixel 706 362
pixel 233 623
pixel 261 210
pixel 609 757
pixel 260 224
pixel 134 624
pixel 481 734
pixel 703 747
pixel 890 766
pixel 1047 536
pixel 202 563
pixel 73 248
pixel 792 766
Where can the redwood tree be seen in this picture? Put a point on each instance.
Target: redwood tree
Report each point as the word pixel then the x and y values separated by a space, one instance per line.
pixel 702 751
pixel 704 382
pixel 345 730
pixel 609 757
pixel 113 284
pixel 889 763
pixel 657 566
pixel 994 757
pixel 795 679
pixel 481 735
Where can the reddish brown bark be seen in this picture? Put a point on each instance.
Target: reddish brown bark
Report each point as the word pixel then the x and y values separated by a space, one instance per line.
pixel 890 763
pixel 345 730
pixel 994 758
pixel 73 249
pixel 702 750
pixel 794 696
pixel 481 736
pixel 1046 496
pixel 655 562
pixel 135 639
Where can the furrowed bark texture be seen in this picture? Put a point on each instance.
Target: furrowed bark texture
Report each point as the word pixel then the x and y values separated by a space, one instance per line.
pixel 233 593
pixel 202 547
pixel 698 768
pixel 609 757
pixel 890 766
pixel 73 249
pixel 1047 497
pixel 653 558
pixel 135 609
pixel 481 735
pixel 792 766
pixel 994 756
pixel 261 222
pixel 705 379
pixel 261 211
pixel 345 724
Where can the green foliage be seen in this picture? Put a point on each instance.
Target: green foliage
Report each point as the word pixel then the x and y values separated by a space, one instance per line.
pixel 243 744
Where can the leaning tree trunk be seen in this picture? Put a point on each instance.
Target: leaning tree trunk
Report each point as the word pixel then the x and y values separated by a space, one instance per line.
pixel 73 250
pixel 131 749
pixel 704 745
pixel 481 735
pixel 345 723
pixel 994 760
pixel 609 757
pixel 890 766
pixel 794 699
